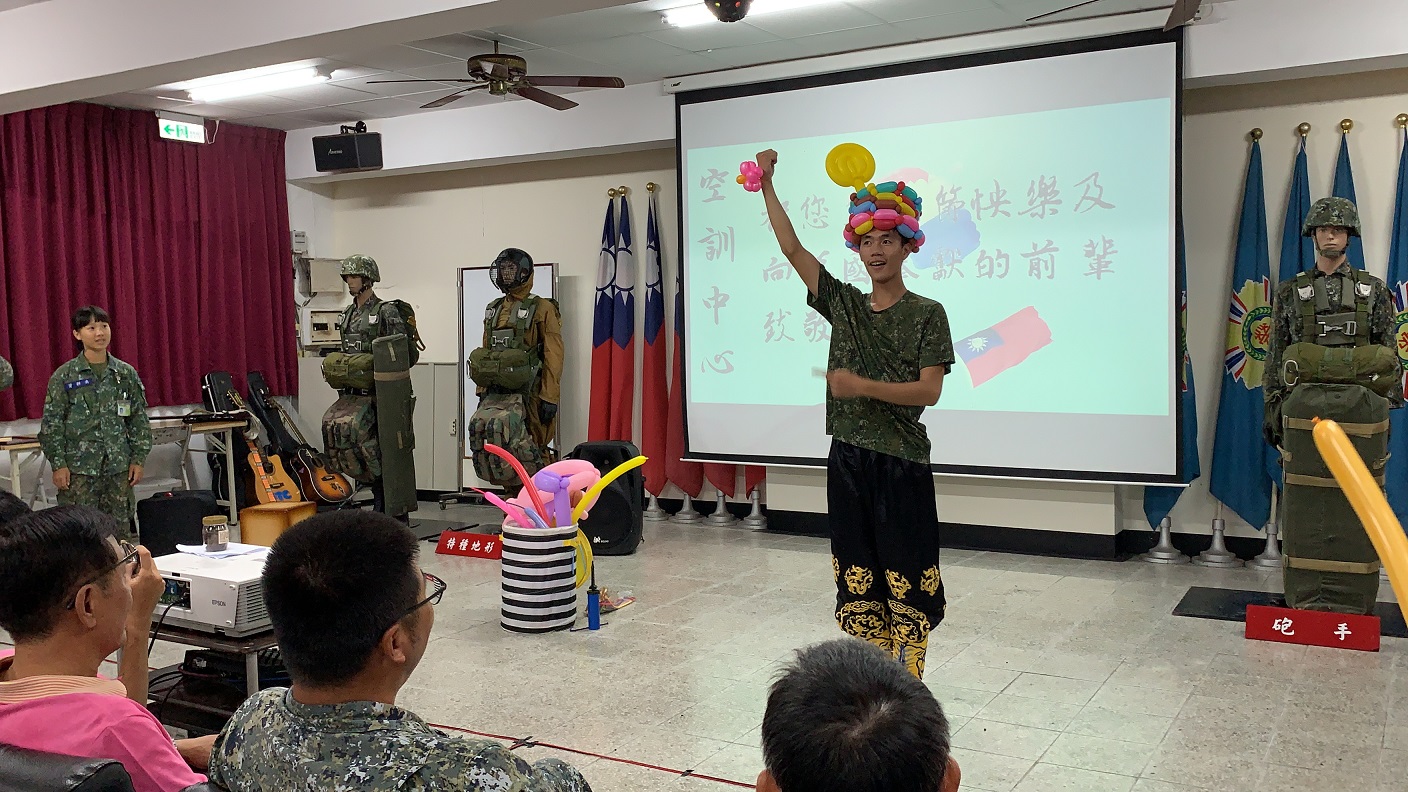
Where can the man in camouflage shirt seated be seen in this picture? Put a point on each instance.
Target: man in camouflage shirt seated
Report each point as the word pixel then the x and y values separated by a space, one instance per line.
pixel 353 612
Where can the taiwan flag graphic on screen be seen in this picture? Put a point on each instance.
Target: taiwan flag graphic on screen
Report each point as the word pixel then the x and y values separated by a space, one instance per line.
pixel 990 352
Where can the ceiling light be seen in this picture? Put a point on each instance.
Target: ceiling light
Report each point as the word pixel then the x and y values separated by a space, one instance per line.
pixel 253 81
pixel 699 14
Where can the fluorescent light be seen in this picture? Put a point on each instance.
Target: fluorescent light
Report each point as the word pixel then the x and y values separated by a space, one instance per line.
pixel 699 14
pixel 253 81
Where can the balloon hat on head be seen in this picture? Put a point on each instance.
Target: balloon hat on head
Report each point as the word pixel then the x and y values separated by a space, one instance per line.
pixel 887 206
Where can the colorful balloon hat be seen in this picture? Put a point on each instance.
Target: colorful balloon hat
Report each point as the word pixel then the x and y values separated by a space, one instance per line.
pixel 884 207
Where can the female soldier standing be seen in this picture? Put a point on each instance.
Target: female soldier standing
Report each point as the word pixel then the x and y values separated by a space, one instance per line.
pixel 95 431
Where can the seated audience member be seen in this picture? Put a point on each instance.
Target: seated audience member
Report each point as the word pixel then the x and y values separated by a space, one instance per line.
pixel 352 613
pixel 11 507
pixel 846 717
pixel 70 595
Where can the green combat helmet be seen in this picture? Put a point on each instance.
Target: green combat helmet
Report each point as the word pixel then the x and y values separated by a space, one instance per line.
pixel 1327 212
pixel 363 265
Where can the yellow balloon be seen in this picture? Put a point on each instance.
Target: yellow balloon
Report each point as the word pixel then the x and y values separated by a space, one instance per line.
pixel 1368 501
pixel 850 165
pixel 585 559
pixel 606 480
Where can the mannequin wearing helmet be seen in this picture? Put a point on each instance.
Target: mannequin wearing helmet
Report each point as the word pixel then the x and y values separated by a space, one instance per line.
pixel 536 324
pixel 1331 289
pixel 350 425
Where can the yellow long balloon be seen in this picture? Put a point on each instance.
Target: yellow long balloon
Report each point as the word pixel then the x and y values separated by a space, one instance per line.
pixel 1368 501
pixel 605 481
pixel 583 546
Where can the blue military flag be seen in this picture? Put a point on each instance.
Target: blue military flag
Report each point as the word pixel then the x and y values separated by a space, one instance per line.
pixel 1159 501
pixel 1397 279
pixel 1242 461
pixel 1297 252
pixel 1344 188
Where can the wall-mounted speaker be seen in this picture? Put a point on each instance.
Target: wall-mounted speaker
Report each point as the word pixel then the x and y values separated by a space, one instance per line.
pixel 615 522
pixel 348 152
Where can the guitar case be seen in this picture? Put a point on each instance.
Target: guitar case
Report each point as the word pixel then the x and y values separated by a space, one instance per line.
pixel 275 431
pixel 215 387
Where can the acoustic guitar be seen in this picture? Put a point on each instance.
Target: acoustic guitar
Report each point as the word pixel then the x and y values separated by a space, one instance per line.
pixel 318 479
pixel 271 482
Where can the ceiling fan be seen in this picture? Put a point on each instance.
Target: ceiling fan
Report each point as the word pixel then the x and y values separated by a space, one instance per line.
pixel 1183 12
pixel 502 75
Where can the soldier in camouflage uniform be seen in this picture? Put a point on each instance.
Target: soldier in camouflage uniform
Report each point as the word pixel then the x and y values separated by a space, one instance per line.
pixel 1331 221
pixel 7 374
pixel 352 616
pixel 349 425
pixel 95 432
pixel 889 353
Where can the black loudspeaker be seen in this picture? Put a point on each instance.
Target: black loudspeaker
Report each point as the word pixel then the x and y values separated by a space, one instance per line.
pixel 615 522
pixel 354 151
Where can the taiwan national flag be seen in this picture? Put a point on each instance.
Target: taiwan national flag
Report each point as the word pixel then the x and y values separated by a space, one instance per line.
pixel 990 352
pixel 623 334
pixel 654 392
pixel 603 325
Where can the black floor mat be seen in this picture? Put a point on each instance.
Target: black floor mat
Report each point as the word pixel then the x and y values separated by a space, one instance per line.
pixel 1202 602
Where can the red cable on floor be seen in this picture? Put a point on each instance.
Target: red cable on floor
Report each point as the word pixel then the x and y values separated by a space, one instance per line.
pixel 528 742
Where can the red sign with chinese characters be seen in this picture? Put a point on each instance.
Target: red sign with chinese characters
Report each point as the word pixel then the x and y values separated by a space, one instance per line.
pixel 463 543
pixel 1313 628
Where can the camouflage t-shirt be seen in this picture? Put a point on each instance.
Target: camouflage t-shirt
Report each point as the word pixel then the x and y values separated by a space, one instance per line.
pixel 275 744
pixel 892 345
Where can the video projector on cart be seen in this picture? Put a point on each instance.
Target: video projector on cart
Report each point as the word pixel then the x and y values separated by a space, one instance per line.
pixel 214 595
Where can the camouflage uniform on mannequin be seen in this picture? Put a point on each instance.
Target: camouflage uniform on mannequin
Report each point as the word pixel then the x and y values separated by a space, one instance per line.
pixel 7 374
pixel 1332 355
pixel 518 370
pixel 351 432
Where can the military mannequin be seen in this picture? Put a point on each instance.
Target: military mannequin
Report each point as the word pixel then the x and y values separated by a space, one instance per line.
pixel 353 435
pixel 519 324
pixel 1332 355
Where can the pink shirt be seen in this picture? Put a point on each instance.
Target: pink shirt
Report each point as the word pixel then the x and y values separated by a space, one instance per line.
pixel 35 714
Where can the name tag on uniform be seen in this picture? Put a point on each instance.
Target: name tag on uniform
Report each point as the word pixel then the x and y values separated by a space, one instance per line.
pixel 124 408
pixel 76 384
pixel 372 319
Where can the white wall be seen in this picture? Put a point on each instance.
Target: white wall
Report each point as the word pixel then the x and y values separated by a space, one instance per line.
pixel 422 228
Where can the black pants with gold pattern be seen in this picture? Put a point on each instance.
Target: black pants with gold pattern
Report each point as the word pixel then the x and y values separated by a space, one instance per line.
pixel 885 550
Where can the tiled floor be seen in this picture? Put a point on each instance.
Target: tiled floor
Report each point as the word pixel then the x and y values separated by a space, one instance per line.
pixel 1056 674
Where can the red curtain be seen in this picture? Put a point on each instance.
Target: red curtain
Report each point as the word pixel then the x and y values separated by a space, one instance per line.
pixel 186 246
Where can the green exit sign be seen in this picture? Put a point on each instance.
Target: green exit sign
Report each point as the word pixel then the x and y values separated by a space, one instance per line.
pixel 184 131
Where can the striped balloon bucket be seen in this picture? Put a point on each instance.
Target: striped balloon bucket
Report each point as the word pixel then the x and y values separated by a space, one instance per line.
pixel 538 579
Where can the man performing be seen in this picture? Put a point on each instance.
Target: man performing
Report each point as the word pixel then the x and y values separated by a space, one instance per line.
pixel 95 432
pixel 355 427
pixel 1331 355
pixel 889 353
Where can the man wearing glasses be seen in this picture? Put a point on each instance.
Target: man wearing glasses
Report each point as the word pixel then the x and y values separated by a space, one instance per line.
pixel 70 596
pixel 352 612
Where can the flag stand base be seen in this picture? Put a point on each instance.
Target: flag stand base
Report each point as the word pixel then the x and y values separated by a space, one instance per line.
pixel 1270 558
pixel 687 515
pixel 1217 556
pixel 721 517
pixel 1164 552
pixel 755 520
pixel 653 512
